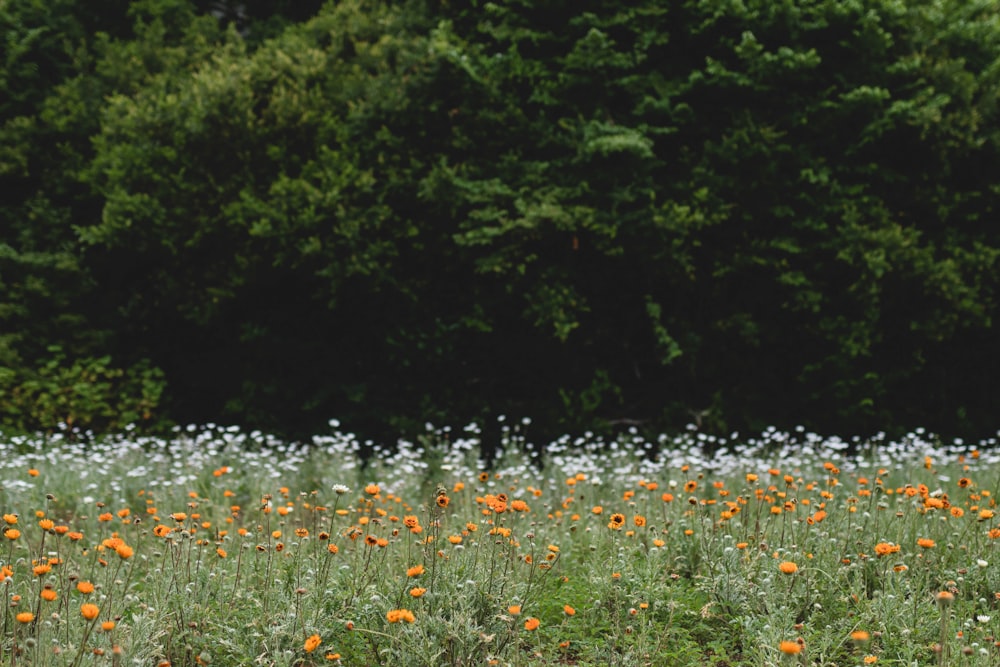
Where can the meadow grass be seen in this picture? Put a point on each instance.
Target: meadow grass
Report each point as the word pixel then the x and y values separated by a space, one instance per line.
pixel 220 547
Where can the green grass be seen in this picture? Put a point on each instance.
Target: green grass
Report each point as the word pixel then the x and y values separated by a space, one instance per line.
pixel 241 551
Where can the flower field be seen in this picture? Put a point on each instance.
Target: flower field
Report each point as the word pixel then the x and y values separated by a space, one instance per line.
pixel 221 547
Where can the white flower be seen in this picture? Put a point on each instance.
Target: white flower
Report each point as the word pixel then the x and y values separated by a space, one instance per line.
pixel 340 489
pixel 982 563
pixel 983 618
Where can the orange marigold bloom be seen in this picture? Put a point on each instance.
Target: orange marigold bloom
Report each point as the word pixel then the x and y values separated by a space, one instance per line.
pixel 400 615
pixel 311 643
pixel 89 611
pixel 639 520
pixel 569 611
pixel 963 482
pixel 531 624
pixel 108 626
pixel 514 609
pixel 925 542
pixel 885 548
pixel 85 587
pixel 788 567
pixel 617 521
pixel 48 594
pixel 860 636
pixel 33 472
pixel 124 551
pixel 790 647
pixel 519 506
pixel 415 571
pixel 372 489
pixel 25 617
pixel 417 591
pixel 11 519
pixel 442 500
pixel 985 515
pixel 75 536
pixel 12 533
pixel 46 524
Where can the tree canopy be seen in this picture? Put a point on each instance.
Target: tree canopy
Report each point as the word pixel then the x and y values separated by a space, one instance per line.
pixel 734 213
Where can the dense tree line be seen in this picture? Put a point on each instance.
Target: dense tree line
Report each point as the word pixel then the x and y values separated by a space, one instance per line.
pixel 589 212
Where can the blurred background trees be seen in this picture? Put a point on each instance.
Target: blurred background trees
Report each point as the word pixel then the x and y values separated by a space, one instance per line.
pixel 731 213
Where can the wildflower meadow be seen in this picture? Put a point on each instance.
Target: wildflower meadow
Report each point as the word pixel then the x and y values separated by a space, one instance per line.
pixel 221 547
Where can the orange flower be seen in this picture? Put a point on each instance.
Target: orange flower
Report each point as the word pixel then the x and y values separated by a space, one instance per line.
pixel 514 609
pixel 11 519
pixel 108 626
pixel 860 636
pixel 442 500
pixel 639 520
pixel 415 571
pixel 48 594
pixel 124 551
pixel 531 624
pixel 617 521
pixel 89 611
pixel 925 542
pixel 569 611
pixel 85 587
pixel 398 615
pixel 25 617
pixel 417 591
pixel 311 643
pixel 372 489
pixel 885 548
pixel 788 567
pixel 12 533
pixel 790 647
pixel 46 524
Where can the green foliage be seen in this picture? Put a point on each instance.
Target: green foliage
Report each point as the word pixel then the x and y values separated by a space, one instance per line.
pixel 88 394
pixel 750 212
